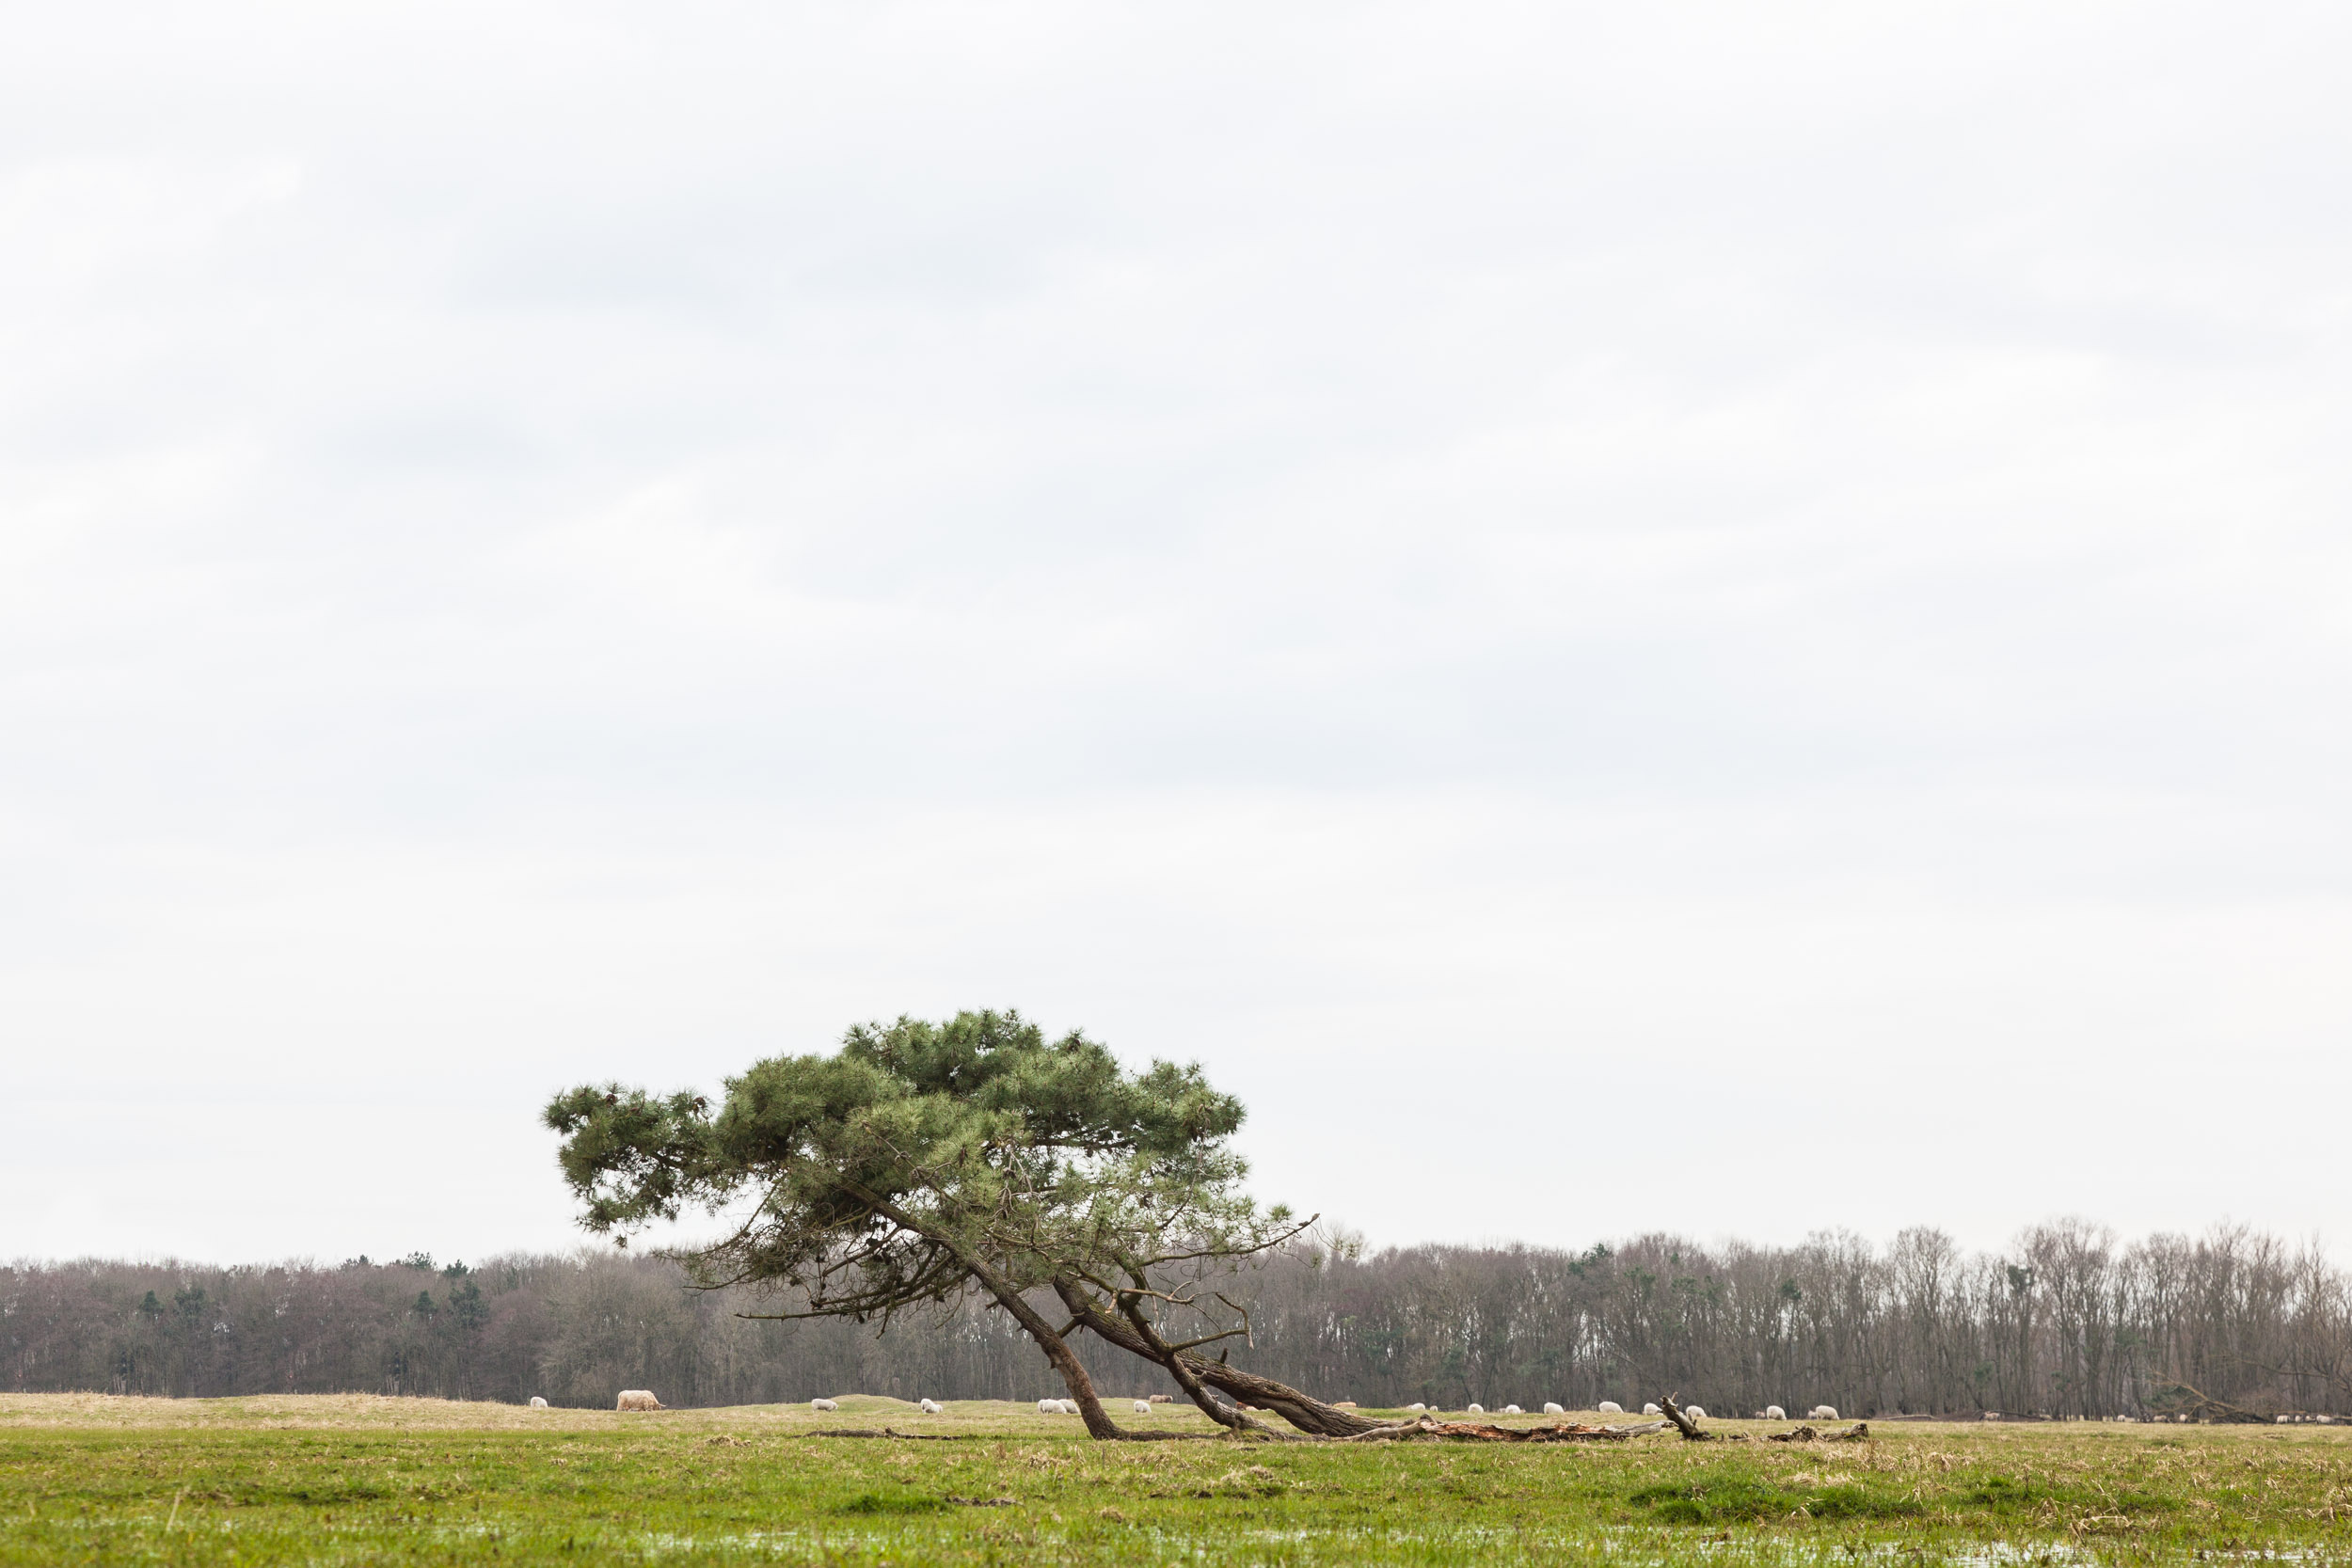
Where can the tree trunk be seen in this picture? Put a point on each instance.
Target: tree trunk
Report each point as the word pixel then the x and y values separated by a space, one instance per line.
pixel 1057 1351
pixel 1230 1417
pixel 1305 1414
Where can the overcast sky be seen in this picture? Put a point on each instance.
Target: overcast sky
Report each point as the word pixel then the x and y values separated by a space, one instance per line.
pixel 1730 618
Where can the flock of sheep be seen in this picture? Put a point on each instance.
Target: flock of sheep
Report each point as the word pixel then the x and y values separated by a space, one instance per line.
pixel 639 1399
pixel 1070 1407
pixel 1696 1412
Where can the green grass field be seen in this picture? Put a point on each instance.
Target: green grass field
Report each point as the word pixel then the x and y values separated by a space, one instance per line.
pixel 87 1479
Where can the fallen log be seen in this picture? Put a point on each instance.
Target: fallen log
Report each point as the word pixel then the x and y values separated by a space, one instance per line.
pixel 1853 1433
pixel 1481 1432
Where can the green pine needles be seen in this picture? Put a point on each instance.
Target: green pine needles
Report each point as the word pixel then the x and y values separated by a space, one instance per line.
pixel 922 1161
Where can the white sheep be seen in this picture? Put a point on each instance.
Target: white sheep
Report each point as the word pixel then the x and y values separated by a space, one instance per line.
pixel 1143 1407
pixel 1609 1408
pixel 537 1403
pixel 1417 1405
pixel 637 1398
pixel 1070 1407
pixel 1774 1413
pixel 1049 1407
pixel 1552 1407
pixel 1651 1410
pixel 1696 1412
pixel 822 1405
pixel 1823 1413
pixel 1477 1409
pixel 933 1407
pixel 1513 1410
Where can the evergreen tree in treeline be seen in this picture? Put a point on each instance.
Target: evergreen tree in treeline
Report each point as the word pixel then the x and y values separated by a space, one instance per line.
pixel 2068 1320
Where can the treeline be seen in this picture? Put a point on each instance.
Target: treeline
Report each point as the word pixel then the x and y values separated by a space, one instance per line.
pixel 2069 1321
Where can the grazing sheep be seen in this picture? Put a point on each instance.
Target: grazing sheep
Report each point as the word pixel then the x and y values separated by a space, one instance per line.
pixel 537 1403
pixel 1774 1413
pixel 1417 1405
pixel 1609 1408
pixel 1478 1410
pixel 1823 1413
pixel 1513 1410
pixel 1163 1399
pixel 1143 1407
pixel 1552 1407
pixel 1345 1405
pixel 822 1405
pixel 1651 1410
pixel 1696 1412
pixel 1049 1407
pixel 637 1398
pixel 933 1407
pixel 1070 1407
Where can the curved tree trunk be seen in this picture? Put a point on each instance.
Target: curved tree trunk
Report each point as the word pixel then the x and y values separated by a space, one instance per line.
pixel 1230 1417
pixel 1057 1352
pixel 1307 1413
pixel 1074 1375
pixel 1301 1411
pixel 1056 1349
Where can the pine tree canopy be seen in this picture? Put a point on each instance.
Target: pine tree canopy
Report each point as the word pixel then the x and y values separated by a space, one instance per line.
pixel 921 1158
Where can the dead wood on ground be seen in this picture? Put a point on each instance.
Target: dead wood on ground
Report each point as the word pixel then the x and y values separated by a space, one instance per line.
pixel 1481 1432
pixel 975 1437
pixel 1683 1424
pixel 1853 1433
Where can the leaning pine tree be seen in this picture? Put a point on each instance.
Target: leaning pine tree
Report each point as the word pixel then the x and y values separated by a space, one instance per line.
pixel 923 1161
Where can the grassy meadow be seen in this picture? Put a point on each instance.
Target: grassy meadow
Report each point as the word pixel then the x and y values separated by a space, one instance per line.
pixel 362 1480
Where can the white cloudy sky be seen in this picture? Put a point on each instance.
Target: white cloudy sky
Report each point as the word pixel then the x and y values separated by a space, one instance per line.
pixel 1726 617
